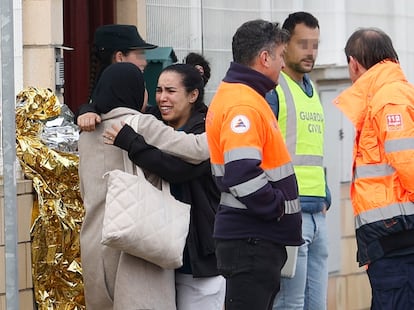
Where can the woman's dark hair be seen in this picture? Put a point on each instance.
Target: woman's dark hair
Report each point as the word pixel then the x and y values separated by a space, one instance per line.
pixel 195 60
pixel 370 46
pixel 100 59
pixel 192 80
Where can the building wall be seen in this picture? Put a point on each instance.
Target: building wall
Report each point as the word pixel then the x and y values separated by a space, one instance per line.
pixel 42 34
pixel 18 48
pixel 330 81
pixel 24 210
pixel 348 288
pixel 132 12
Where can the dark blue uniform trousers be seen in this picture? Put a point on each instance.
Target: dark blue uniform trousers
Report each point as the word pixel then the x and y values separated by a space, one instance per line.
pixel 392 283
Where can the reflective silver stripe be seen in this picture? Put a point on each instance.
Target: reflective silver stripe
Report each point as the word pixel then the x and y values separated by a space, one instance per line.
pixel 292 206
pixel 218 170
pixel 248 187
pixel 277 174
pixel 388 212
pixel 307 160
pixel 396 145
pixel 228 200
pixel 242 153
pixel 273 175
pixel 373 171
pixel 291 121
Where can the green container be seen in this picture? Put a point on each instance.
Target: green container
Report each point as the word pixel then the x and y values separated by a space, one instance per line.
pixel 157 59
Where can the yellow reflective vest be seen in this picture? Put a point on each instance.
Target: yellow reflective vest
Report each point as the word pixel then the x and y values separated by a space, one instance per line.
pixel 301 121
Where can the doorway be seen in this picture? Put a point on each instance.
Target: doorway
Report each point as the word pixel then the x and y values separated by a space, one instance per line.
pixel 80 19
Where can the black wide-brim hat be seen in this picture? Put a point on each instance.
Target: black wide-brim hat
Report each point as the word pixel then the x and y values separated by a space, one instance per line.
pixel 120 37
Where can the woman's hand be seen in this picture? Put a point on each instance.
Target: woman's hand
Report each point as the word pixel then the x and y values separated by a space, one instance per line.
pixel 88 121
pixel 111 133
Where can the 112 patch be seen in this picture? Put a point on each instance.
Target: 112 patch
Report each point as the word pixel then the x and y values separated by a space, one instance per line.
pixel 394 122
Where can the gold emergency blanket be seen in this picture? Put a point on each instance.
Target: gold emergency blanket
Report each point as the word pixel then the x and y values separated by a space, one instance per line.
pixel 57 211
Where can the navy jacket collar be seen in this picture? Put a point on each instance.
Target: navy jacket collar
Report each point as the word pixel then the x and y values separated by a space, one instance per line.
pixel 238 73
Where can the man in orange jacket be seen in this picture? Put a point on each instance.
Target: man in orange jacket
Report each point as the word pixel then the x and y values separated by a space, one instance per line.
pixel 380 104
pixel 259 211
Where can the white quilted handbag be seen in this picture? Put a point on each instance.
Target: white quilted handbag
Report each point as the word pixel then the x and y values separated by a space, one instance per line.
pixel 144 221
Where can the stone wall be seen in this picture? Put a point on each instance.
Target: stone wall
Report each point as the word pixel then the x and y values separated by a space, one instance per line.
pixel 349 288
pixel 24 210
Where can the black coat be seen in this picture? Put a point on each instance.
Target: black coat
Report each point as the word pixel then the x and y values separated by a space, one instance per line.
pixel 197 188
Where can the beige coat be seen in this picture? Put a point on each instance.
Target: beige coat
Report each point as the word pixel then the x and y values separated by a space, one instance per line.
pixel 113 280
pixel 192 148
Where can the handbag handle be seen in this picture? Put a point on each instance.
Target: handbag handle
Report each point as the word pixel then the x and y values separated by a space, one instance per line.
pixel 131 168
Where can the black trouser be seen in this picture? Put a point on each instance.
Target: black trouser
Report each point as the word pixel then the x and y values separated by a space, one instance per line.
pixel 252 271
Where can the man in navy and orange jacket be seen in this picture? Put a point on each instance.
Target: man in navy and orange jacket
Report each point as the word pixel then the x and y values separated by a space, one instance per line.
pixel 259 211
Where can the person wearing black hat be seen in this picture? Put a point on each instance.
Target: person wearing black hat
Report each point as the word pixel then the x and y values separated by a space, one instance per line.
pixel 112 43
pixel 120 43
